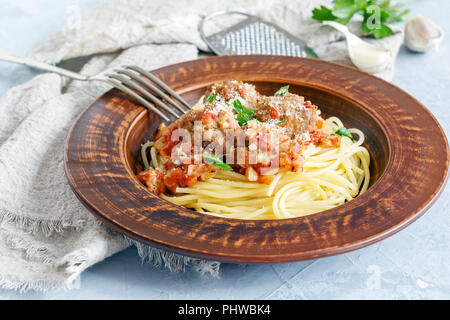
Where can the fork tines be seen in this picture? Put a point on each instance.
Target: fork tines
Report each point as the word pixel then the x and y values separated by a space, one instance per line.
pixel 140 84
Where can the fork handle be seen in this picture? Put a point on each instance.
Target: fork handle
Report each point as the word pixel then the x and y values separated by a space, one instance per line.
pixel 5 56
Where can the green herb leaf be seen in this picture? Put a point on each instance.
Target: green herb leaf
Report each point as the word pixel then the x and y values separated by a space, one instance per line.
pixel 216 160
pixel 243 115
pixel 383 12
pixel 211 97
pixel 282 91
pixel 323 14
pixel 364 26
pixel 238 105
pixel 397 12
pixel 342 131
pixel 345 9
pixel 310 52
pixel 382 32
pixel 281 122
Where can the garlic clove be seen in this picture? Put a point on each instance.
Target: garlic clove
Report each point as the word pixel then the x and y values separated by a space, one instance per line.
pixel 422 34
pixel 364 55
pixel 370 58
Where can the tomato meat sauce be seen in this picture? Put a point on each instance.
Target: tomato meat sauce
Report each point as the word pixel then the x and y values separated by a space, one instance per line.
pixel 230 106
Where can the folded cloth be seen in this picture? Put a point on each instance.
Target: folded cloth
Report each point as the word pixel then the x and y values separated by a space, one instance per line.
pixel 47 238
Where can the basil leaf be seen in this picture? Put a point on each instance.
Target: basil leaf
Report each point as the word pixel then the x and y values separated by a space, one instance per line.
pixel 342 131
pixel 216 160
pixel 281 122
pixel 211 97
pixel 282 91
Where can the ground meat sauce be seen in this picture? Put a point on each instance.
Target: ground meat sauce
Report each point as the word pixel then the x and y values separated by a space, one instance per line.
pixel 294 121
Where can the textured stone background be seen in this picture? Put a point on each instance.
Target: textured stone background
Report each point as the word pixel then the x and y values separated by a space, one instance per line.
pixel 413 264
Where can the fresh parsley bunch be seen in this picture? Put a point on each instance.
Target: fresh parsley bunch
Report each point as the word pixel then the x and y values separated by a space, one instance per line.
pixel 377 14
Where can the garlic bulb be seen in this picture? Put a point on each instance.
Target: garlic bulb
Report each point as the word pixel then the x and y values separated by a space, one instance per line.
pixel 364 55
pixel 422 34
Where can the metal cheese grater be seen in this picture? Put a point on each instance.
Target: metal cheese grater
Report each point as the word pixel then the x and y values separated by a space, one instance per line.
pixel 254 36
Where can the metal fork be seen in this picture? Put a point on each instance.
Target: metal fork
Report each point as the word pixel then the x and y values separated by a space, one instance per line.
pixel 132 80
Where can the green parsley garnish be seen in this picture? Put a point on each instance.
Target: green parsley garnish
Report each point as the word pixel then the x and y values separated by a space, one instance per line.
pixel 342 131
pixel 282 91
pixel 281 122
pixel 211 97
pixel 377 14
pixel 216 160
pixel 243 115
pixel 238 105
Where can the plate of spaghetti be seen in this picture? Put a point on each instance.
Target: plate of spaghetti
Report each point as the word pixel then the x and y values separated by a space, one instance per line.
pixel 257 156
pixel 279 159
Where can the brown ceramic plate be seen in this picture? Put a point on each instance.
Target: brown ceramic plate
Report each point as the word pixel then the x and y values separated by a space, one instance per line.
pixel 408 149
